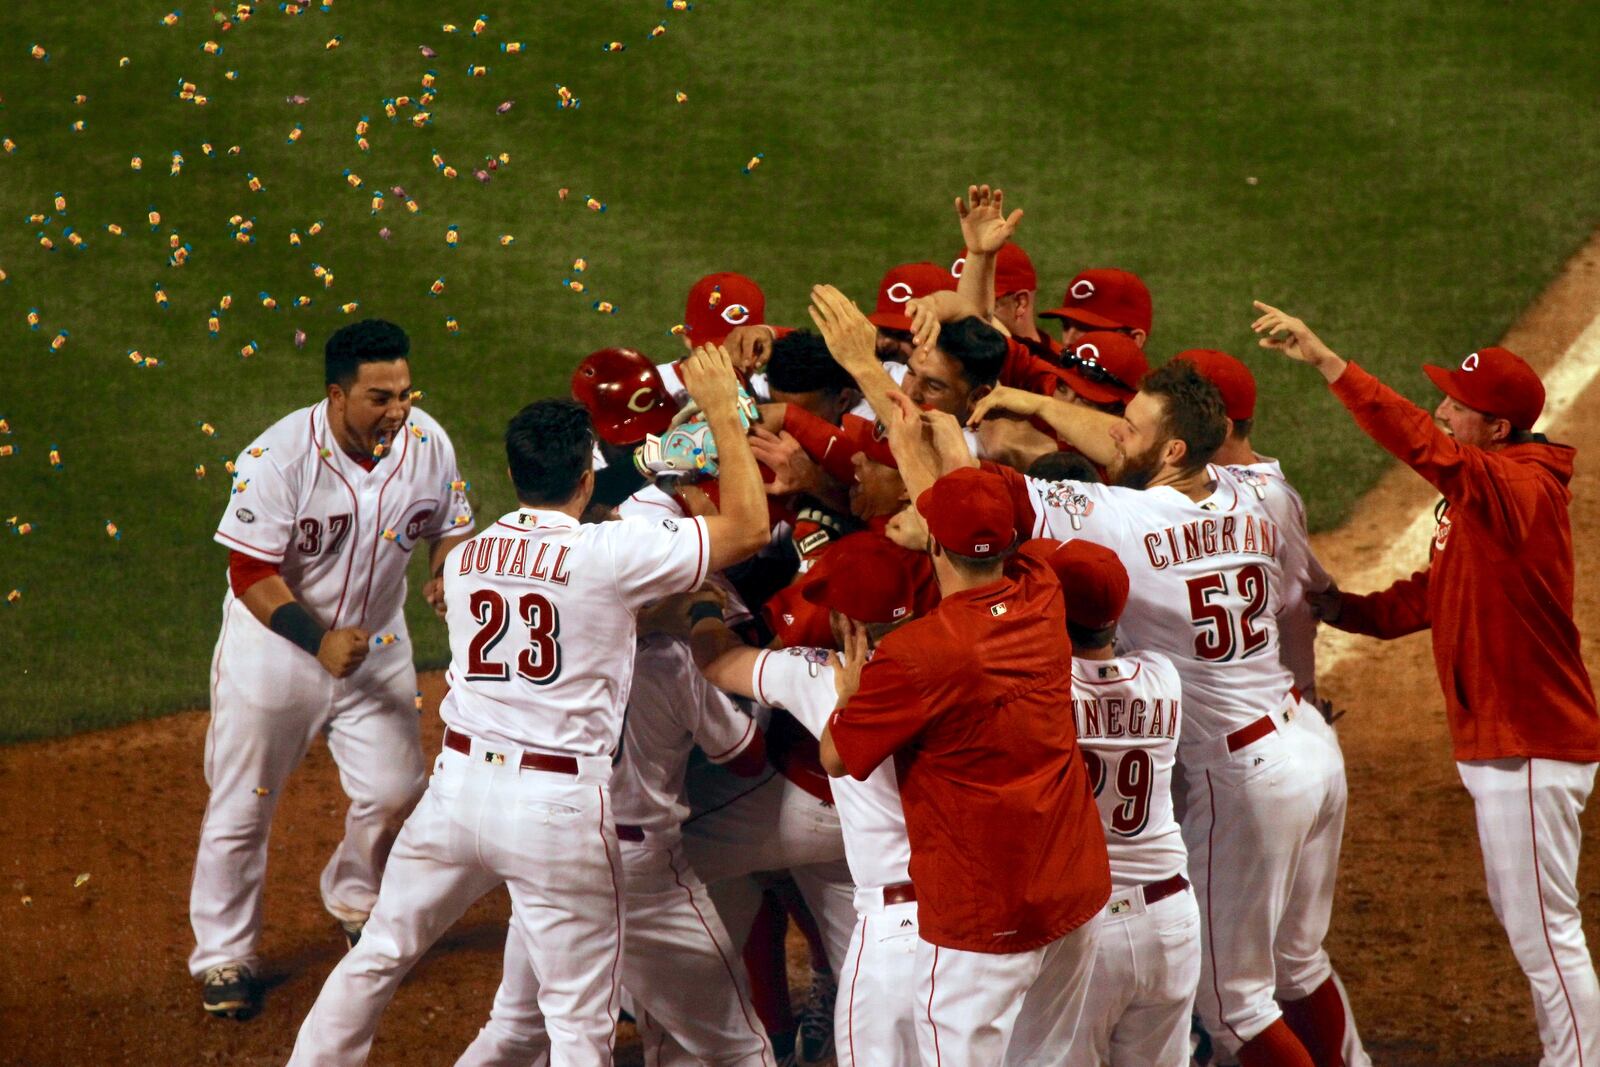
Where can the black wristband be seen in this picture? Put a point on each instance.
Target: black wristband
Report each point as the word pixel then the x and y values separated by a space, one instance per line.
pixel 703 609
pixel 295 625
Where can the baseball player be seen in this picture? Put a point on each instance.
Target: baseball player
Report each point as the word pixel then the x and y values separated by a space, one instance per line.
pixel 1128 711
pixel 973 702
pixel 1016 295
pixel 327 506
pixel 680 971
pixel 1525 729
pixel 1309 991
pixel 724 309
pixel 871 582
pixel 1204 556
pixel 541 612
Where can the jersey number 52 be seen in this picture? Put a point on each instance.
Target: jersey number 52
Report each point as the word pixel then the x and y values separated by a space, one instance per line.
pixel 539 662
pixel 1215 625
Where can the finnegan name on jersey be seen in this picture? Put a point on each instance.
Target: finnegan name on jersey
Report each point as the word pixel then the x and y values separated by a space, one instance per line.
pixel 509 556
pixel 1116 717
pixel 1224 536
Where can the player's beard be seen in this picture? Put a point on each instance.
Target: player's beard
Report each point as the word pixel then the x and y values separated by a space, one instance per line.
pixel 1136 472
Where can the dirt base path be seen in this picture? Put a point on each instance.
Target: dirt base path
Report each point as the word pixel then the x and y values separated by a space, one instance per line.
pixel 95 973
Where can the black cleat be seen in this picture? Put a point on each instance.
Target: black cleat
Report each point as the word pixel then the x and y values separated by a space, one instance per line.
pixel 230 992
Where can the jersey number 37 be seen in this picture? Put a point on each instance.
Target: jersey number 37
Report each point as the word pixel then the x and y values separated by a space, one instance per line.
pixel 538 662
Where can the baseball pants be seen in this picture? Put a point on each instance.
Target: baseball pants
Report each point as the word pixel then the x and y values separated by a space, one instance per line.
pixel 1141 992
pixel 979 1009
pixel 1528 829
pixel 1263 826
pixel 680 975
pixel 485 821
pixel 269 700
pixel 874 1019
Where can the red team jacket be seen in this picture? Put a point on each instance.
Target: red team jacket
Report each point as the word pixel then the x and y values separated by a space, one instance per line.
pixel 1497 590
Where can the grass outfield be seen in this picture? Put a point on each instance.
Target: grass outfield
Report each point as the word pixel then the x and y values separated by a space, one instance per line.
pixel 1418 177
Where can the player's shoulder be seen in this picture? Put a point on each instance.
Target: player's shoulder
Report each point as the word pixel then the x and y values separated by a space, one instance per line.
pixel 1157 665
pixel 651 503
pixel 427 423
pixel 286 444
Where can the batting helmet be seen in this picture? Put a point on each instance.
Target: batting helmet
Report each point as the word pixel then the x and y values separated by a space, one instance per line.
pixel 624 395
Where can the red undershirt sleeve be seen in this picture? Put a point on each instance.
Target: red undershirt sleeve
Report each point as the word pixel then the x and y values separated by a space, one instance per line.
pixel 245 571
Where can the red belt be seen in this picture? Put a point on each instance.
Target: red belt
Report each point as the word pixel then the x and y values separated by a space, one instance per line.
pixel 899 893
pixel 630 833
pixel 1256 730
pixel 1165 888
pixel 531 761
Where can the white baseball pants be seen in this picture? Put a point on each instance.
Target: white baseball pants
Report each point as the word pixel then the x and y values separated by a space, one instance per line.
pixel 1141 992
pixel 1528 829
pixel 269 700
pixel 679 971
pixel 980 1009
pixel 875 1015
pixel 1263 827
pixel 549 837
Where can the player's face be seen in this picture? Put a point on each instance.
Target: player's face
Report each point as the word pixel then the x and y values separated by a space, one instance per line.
pixel 934 380
pixel 1140 440
pixel 829 407
pixel 375 407
pixel 1466 425
pixel 878 490
pixel 894 345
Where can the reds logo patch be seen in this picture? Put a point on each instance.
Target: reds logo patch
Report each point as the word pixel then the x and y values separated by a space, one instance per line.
pixel 1082 289
pixel 899 292
pixel 415 521
pixel 816 658
pixel 735 314
pixel 1441 533
pixel 642 400
pixel 1064 495
pixel 1470 363
pixel 1256 480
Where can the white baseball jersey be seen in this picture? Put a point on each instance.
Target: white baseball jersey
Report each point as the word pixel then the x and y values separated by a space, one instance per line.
pixel 671 709
pixel 800 680
pixel 1128 715
pixel 342 535
pixel 541 612
pixel 1205 587
pixel 1302 573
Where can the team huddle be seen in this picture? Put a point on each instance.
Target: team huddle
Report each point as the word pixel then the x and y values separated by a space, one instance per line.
pixel 987 659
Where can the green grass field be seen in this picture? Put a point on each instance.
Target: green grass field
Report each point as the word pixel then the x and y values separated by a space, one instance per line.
pixel 1420 171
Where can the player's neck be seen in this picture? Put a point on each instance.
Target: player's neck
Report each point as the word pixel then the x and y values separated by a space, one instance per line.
pixel 1236 452
pixel 572 508
pixel 1094 653
pixel 1197 486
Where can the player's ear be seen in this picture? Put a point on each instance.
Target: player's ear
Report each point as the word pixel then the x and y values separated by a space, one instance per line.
pixel 1138 337
pixel 1500 431
pixel 1175 452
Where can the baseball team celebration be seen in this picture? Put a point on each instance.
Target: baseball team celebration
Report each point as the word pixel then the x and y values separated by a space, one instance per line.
pixel 882 628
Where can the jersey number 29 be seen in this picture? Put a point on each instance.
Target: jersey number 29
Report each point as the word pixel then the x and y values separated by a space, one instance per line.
pixel 1133 774
pixel 539 662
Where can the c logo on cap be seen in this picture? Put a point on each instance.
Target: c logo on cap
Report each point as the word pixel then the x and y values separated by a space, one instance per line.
pixel 899 292
pixel 641 406
pixel 958 266
pixel 735 314
pixel 1088 353
pixel 1082 289
pixel 1470 363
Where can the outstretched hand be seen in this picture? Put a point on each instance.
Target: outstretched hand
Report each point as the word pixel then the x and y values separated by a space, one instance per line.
pixel 984 223
pixel 1006 401
pixel 849 336
pixel 1292 337
pixel 708 376
pixel 847 667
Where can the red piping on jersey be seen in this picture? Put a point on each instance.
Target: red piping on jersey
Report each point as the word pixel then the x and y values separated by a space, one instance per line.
pixel 1211 851
pixel 654 504
pixel 1137 667
pixel 744 1001
pixel 1544 925
pixel 702 556
pixel 775 776
pixel 733 750
pixel 1211 468
pixel 355 518
pixel 616 899
pixel 377 537
pixel 253 548
pixel 850 1011
pixel 761 669
pixel 216 680
pixel 933 974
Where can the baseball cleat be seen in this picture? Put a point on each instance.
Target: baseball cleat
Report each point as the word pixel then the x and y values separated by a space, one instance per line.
pixel 352 932
pixel 815 1043
pixel 229 991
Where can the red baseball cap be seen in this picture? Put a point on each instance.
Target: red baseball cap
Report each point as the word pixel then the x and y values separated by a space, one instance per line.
pixel 1013 270
pixel 1104 367
pixel 1094 582
pixel 1231 377
pixel 719 302
pixel 624 395
pixel 969 512
pixel 1106 298
pixel 903 283
pixel 868 578
pixel 1495 381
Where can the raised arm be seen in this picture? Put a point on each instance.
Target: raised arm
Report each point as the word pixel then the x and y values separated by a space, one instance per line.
pixel 854 344
pixel 740 528
pixel 1084 428
pixel 985 228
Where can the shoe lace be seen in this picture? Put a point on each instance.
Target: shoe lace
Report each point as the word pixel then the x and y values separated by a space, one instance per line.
pixel 229 972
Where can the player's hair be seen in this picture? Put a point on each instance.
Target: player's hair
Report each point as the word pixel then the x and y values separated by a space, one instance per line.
pixel 1193 410
pixel 1242 428
pixel 977 346
pixel 1089 639
pixel 801 363
pixel 367 341
pixel 549 446
pixel 1063 467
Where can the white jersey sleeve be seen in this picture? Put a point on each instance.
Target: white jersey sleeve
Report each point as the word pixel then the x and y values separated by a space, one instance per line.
pixel 455 514
pixel 798 680
pixel 259 520
pixel 657 559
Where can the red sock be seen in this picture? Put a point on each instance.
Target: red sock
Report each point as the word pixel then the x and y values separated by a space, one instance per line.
pixel 795 904
pixel 1318 1021
pixel 1276 1046
pixel 769 973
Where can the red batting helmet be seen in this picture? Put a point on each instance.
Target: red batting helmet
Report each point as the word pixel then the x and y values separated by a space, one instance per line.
pixel 624 394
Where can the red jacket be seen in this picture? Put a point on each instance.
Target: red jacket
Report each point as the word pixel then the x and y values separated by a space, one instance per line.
pixel 1497 590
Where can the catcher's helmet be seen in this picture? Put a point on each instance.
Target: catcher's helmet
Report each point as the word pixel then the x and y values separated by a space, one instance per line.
pixel 624 395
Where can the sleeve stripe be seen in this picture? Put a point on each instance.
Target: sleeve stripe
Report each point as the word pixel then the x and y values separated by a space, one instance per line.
pixel 738 746
pixel 761 669
pixel 702 554
pixel 264 554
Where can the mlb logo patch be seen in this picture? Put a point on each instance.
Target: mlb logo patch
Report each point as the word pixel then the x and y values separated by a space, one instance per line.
pixel 1111 671
pixel 998 610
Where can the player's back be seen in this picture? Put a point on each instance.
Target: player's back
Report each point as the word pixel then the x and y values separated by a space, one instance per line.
pixel 1128 713
pixel 541 612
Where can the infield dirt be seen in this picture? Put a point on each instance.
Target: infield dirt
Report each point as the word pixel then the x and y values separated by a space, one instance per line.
pixel 95 972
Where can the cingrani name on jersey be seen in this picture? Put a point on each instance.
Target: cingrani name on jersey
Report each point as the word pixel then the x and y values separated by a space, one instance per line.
pixel 1226 535
pixel 1120 717
pixel 507 557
